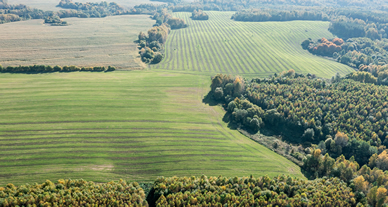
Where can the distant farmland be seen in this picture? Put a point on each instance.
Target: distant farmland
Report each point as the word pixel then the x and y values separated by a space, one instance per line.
pixel 132 125
pixel 50 5
pixel 246 48
pixel 85 42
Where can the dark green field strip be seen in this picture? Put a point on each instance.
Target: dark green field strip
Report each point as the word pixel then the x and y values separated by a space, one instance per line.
pixel 109 141
pixel 135 129
pixel 113 140
pixel 132 133
pixel 118 148
pixel 151 155
pixel 99 121
pixel 167 155
pixel 47 151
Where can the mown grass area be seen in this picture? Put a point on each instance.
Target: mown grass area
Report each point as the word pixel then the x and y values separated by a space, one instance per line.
pixel 221 44
pixel 132 125
pixel 85 42
pixel 51 5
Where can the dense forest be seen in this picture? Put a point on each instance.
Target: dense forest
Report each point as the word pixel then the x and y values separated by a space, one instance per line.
pixel 73 193
pixel 343 123
pixel 50 69
pixel 308 110
pixel 184 191
pixel 251 191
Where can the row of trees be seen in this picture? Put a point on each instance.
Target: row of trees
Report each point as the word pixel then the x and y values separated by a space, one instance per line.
pixel 199 15
pixel 151 44
pixel 251 191
pixel 12 13
pixel 96 10
pixel 73 193
pixel 258 15
pixel 50 69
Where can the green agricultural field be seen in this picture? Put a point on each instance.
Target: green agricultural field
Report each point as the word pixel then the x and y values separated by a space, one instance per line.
pixel 50 5
pixel 133 125
pixel 85 42
pixel 246 48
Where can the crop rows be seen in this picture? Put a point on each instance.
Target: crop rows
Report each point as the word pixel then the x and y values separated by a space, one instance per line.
pixel 250 48
pixel 130 125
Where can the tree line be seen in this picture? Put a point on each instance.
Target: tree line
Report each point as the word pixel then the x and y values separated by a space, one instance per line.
pixel 151 44
pixel 251 191
pixel 99 10
pixel 73 193
pixel 258 15
pixel 51 69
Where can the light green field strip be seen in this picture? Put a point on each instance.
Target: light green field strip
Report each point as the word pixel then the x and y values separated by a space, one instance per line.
pixel 221 45
pixel 132 125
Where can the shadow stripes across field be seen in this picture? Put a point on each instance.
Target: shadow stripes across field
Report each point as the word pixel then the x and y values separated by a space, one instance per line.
pixel 132 125
pixel 246 48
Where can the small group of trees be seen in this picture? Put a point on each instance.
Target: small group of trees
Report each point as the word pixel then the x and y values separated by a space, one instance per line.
pixel 94 10
pixel 199 15
pixel 54 21
pixel 323 46
pixel 150 44
pixel 50 69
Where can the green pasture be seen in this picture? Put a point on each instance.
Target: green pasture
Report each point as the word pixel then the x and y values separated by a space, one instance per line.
pixel 222 45
pixel 134 125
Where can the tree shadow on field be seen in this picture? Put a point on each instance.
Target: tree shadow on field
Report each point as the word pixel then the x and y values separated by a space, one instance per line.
pixel 208 99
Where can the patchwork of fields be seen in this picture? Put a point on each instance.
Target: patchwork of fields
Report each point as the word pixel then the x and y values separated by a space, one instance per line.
pixel 85 42
pixel 132 125
pixel 246 48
